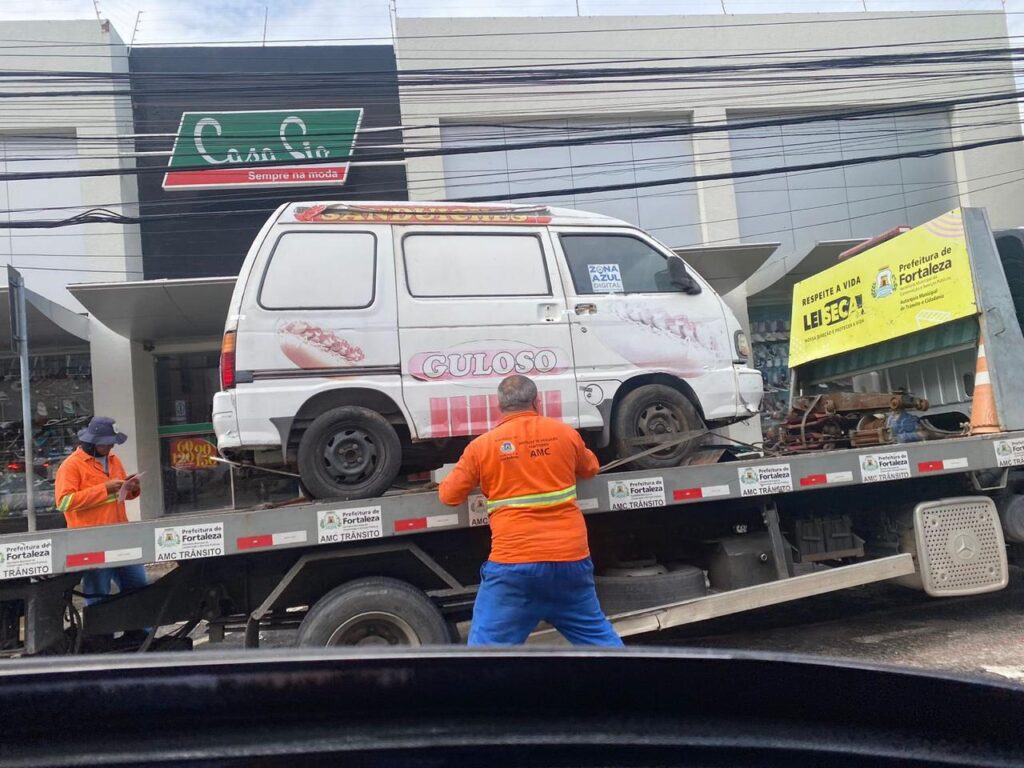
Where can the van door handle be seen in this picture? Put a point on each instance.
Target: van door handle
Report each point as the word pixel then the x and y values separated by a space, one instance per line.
pixel 586 309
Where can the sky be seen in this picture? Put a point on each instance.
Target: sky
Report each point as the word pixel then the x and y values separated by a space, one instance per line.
pixel 166 22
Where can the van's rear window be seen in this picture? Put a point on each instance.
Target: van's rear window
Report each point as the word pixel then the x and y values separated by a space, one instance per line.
pixel 321 270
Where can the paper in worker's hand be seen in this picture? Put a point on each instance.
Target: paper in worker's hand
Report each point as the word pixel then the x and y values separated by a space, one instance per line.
pixel 125 487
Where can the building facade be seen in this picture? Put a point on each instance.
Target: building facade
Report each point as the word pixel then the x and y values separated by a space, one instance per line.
pixel 51 144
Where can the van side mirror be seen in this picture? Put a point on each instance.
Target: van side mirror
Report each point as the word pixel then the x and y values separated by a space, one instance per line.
pixel 680 278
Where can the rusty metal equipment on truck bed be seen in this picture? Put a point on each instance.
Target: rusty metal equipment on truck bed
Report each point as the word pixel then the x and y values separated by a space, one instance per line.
pixel 848 419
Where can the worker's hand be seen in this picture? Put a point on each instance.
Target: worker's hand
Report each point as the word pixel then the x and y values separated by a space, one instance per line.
pixel 113 486
pixel 132 483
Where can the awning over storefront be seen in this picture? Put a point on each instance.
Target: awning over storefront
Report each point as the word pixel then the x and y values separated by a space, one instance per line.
pixel 160 310
pixel 727 266
pixel 51 326
pixel 773 283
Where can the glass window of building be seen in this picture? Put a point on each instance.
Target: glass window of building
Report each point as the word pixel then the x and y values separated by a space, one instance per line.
pixel 61 389
pixel 670 212
pixel 192 480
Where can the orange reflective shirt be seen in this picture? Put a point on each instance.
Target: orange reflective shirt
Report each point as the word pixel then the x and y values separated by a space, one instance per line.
pixel 527 468
pixel 81 491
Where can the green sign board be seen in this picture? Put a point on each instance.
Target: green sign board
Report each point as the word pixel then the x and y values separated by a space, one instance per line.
pixel 218 150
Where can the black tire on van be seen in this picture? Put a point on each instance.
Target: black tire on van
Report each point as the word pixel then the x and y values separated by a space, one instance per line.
pixel 654 410
pixel 373 611
pixel 349 453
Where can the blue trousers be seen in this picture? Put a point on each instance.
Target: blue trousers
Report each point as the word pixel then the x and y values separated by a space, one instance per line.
pixel 127 578
pixel 514 598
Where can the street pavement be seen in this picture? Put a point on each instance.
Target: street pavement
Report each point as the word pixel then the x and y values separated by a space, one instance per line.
pixel 877 623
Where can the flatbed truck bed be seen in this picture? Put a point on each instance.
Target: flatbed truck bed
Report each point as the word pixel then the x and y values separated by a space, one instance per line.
pixel 274 546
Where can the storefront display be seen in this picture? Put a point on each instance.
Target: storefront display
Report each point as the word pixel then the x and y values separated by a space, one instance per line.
pixel 61 388
pixel 192 479
pixel 769 336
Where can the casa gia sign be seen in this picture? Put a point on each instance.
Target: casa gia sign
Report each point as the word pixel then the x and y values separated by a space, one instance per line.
pixel 221 150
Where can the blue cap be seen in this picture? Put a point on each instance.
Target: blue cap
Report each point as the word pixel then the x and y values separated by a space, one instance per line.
pixel 102 431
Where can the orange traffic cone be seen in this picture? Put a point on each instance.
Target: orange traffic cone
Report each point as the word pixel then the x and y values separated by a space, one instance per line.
pixel 984 420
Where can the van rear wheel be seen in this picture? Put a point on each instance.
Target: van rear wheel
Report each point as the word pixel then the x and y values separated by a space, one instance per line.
pixel 349 453
pixel 649 414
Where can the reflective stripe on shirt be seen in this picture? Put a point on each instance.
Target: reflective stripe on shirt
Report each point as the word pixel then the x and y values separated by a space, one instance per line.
pixel 534 499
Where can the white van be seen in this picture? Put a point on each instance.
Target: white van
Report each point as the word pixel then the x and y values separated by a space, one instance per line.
pixel 365 340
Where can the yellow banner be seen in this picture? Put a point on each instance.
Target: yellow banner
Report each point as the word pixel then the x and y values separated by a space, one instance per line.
pixel 916 280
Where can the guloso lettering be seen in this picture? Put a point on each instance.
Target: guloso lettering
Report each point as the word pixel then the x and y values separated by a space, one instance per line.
pixel 458 365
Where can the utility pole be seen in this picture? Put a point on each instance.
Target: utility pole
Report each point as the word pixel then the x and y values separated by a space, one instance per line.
pixel 19 344
pixel 96 7
pixel 266 12
pixel 138 18
pixel 393 18
pixel 577 8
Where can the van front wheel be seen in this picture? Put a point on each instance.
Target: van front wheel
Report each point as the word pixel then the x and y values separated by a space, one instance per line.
pixel 650 414
pixel 349 453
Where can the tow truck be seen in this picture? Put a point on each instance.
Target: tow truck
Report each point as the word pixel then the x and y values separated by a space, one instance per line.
pixel 671 546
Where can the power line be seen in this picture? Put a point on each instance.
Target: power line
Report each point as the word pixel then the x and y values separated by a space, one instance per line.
pixel 453 180
pixel 748 237
pixel 600 138
pixel 106 216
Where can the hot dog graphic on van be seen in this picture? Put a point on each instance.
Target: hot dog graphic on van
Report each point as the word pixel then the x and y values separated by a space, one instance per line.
pixel 309 346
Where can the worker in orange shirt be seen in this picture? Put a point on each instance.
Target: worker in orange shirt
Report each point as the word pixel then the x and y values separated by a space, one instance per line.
pixel 88 484
pixel 539 568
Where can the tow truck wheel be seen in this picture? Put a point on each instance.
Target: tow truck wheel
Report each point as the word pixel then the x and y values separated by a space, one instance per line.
pixel 651 413
pixel 349 453
pixel 374 611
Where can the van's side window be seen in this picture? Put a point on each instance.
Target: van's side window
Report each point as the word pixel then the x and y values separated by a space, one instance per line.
pixel 464 265
pixel 320 270
pixel 614 264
